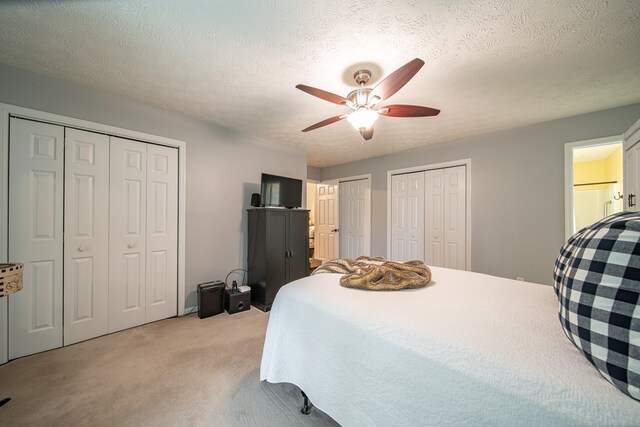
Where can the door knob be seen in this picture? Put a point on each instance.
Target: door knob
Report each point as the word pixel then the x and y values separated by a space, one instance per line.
pixel 131 245
pixel 83 248
pixel 335 230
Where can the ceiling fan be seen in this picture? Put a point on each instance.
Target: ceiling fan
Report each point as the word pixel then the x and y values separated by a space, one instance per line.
pixel 364 100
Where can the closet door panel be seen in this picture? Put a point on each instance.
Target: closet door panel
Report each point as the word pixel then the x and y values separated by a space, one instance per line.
pixel 86 252
pixel 407 216
pixel 455 217
pixel 35 235
pixel 434 221
pixel 398 217
pixel 415 220
pixel 127 234
pixel 162 233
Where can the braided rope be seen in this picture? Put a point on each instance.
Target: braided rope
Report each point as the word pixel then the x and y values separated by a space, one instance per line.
pixel 376 274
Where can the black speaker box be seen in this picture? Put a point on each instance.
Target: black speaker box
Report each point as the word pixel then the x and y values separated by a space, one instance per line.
pixel 255 200
pixel 210 299
pixel 237 301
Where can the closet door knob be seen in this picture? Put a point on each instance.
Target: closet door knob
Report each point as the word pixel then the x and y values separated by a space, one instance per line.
pixel 131 245
pixel 83 248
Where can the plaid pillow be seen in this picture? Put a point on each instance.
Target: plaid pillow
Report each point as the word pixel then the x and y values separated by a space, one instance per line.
pixel 597 280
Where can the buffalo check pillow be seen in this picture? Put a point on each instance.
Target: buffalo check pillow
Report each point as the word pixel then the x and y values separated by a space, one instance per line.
pixel 597 280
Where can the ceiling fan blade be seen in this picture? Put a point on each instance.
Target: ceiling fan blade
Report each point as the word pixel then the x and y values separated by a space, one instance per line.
pixel 394 81
pixel 324 123
pixel 367 134
pixel 323 94
pixel 408 111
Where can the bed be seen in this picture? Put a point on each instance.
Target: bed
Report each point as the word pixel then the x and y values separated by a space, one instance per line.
pixel 469 349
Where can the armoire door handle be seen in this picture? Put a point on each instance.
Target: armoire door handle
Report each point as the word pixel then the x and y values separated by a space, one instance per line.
pixel 131 245
pixel 83 248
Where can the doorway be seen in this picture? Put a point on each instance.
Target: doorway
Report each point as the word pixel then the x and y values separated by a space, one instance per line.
pixel 341 217
pixel 593 182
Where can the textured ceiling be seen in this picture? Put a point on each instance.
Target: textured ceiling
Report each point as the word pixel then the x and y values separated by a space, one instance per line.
pixel 490 64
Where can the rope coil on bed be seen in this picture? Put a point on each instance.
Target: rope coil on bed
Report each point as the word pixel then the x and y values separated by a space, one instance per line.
pixel 376 274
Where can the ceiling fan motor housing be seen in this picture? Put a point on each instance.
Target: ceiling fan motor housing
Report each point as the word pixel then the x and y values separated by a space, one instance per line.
pixel 359 97
pixel 362 77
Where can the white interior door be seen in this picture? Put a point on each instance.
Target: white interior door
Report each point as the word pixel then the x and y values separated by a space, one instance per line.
pixel 455 217
pixel 127 229
pixel 35 235
pixel 86 236
pixel 434 221
pixel 632 178
pixel 407 215
pixel 162 233
pixel 352 218
pixel 327 226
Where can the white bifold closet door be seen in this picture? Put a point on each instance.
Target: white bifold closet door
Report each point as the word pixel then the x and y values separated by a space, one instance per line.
pixel 35 235
pixel 127 225
pixel 143 233
pixel 162 233
pixel 434 221
pixel 115 265
pixel 445 217
pixel 455 218
pixel 428 217
pixel 407 233
pixel 86 235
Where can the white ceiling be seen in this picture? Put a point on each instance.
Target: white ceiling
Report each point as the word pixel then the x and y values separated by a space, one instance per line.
pixel 490 64
pixel 593 153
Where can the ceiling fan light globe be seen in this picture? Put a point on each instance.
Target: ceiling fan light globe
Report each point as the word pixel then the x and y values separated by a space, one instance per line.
pixel 363 118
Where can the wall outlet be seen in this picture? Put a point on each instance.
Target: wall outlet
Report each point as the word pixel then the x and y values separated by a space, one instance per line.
pixel 520 279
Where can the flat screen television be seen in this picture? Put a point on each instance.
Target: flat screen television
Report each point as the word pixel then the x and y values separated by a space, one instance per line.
pixel 281 191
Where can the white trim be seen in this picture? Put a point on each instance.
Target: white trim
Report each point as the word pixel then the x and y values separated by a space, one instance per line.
pixel 569 220
pixel 367 208
pixel 631 136
pixel 4 247
pixel 27 113
pixel 441 165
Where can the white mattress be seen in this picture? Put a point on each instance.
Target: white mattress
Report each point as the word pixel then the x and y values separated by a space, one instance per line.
pixel 469 349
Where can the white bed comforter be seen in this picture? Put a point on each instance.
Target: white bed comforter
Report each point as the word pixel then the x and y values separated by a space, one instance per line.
pixel 469 349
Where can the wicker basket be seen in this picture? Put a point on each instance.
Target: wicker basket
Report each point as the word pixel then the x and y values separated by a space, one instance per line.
pixel 10 278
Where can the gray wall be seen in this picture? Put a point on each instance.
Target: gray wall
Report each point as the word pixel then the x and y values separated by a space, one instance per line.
pixel 314 173
pixel 223 167
pixel 517 189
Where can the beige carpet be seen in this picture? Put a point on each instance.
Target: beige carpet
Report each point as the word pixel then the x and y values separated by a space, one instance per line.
pixel 183 371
